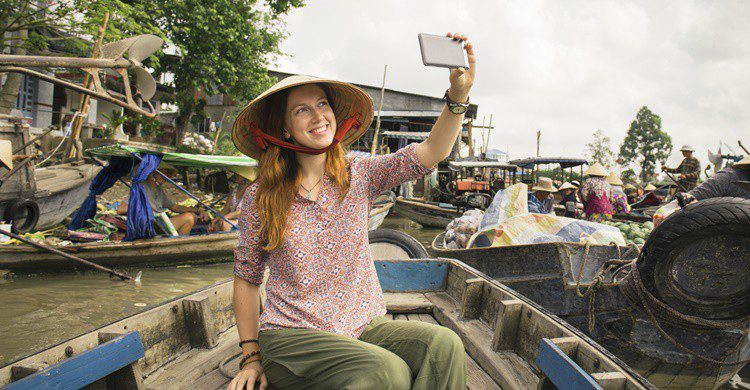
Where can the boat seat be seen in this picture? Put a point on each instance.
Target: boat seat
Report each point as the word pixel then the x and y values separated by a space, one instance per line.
pixel 113 361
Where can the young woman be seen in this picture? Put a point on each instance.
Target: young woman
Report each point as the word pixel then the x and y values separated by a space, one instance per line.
pixel 305 218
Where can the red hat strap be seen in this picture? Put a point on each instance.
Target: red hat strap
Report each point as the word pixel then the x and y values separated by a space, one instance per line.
pixel 262 139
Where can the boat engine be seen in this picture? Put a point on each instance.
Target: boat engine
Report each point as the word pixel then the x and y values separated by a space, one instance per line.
pixel 473 200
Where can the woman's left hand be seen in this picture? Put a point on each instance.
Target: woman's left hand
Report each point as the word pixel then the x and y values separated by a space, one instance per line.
pixel 462 79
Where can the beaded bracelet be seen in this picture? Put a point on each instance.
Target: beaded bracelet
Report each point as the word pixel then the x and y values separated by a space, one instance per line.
pixel 248 341
pixel 247 359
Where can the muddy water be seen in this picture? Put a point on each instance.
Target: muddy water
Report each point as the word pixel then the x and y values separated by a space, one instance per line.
pixel 39 311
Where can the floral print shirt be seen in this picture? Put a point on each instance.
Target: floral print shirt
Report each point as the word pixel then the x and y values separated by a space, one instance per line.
pixel 322 276
pixel 596 194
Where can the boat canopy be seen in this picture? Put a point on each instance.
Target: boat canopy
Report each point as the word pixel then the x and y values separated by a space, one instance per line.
pixel 565 162
pixel 414 135
pixel 482 164
pixel 176 159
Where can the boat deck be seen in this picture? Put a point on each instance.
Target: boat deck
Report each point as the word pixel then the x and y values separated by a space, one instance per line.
pixel 198 360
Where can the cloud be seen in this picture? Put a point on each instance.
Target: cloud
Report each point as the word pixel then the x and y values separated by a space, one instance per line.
pixel 565 68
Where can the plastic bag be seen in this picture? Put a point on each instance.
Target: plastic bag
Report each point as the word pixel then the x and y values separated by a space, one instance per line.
pixel 664 211
pixel 459 231
pixel 507 203
pixel 536 228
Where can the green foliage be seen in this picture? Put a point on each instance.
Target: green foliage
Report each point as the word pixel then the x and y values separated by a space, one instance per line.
pixel 116 119
pixel 645 143
pixel 600 149
pixel 628 176
pixel 150 127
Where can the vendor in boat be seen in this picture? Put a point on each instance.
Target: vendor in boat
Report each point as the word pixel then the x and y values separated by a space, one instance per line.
pixel 631 192
pixel 231 211
pixel 650 198
pixel 569 199
pixel 541 200
pixel 305 218
pixel 160 202
pixel 596 193
pixel 732 181
pixel 619 199
pixel 689 169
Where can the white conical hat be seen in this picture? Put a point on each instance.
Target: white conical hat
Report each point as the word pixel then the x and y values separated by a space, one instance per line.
pixel 544 184
pixel 596 169
pixel 614 179
pixel 566 186
pixel 650 187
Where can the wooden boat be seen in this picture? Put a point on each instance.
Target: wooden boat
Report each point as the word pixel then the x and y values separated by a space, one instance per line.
pixel 157 251
pixel 428 214
pixel 191 341
pixel 549 274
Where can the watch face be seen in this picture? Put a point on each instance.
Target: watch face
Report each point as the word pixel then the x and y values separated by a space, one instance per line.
pixel 458 110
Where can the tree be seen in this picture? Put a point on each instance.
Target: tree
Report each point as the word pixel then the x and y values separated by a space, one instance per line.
pixel 645 143
pixel 600 149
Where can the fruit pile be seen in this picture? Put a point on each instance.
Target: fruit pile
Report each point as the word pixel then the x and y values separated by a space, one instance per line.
pixel 633 231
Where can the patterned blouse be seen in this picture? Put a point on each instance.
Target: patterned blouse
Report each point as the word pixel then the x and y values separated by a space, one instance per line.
pixel 619 201
pixel 322 276
pixel 596 194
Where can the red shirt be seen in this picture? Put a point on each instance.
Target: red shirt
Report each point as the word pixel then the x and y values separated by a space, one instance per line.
pixel 322 276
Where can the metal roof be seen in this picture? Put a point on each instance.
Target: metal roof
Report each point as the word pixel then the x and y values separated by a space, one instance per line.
pixel 414 135
pixel 482 164
pixel 565 162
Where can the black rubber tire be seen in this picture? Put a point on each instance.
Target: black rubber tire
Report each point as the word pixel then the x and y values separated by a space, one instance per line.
pixel 409 244
pixel 19 207
pixel 698 260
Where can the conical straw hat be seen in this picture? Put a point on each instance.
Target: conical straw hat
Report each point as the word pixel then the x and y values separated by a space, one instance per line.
pixel 650 187
pixel 6 154
pixel 249 173
pixel 744 163
pixel 566 186
pixel 346 99
pixel 614 179
pixel 596 169
pixel 544 184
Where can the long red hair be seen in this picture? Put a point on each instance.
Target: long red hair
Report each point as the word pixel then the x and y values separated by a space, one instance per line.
pixel 279 174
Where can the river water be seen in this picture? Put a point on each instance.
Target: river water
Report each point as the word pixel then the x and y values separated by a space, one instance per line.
pixel 39 311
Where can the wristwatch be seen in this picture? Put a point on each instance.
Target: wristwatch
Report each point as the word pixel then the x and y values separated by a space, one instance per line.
pixel 455 107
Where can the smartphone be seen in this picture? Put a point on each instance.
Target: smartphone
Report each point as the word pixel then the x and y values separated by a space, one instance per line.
pixel 442 51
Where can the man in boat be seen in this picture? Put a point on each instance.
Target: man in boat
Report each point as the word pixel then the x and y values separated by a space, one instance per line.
pixel 541 199
pixel 731 181
pixel 160 202
pixel 689 169
pixel 231 211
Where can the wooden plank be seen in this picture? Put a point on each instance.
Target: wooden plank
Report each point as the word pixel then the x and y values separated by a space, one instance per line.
pixel 428 318
pixel 610 380
pixel 472 298
pixel 199 322
pixel 506 325
pixel 476 378
pixel 411 275
pixel 407 303
pixel 214 380
pixel 400 317
pixel 562 370
pixel 569 345
pixel 506 368
pixel 87 367
pixel 126 378
pixel 389 316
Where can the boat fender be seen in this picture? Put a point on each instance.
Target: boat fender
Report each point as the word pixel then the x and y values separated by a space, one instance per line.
pixel 698 260
pixel 409 244
pixel 17 209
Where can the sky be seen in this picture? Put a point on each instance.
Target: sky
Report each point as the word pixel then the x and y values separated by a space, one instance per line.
pixel 566 68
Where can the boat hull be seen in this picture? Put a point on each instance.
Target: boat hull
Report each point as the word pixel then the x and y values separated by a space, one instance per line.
pixel 548 274
pixel 426 214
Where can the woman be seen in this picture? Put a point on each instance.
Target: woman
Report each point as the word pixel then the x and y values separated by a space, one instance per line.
pixel 232 208
pixel 305 217
pixel 619 200
pixel 569 199
pixel 595 193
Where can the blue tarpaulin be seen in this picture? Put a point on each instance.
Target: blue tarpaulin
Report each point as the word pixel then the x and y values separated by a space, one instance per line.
pixel 140 222
pixel 106 178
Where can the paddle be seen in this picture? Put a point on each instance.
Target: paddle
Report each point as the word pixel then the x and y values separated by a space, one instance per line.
pixel 136 280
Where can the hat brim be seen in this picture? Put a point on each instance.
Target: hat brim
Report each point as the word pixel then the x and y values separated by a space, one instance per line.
pixel 552 190
pixel 346 100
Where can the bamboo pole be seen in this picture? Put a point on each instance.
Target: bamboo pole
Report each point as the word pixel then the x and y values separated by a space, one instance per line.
pixel 380 108
pixel 83 103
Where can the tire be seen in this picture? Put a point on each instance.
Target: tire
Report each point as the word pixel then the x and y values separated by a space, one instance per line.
pixel 389 244
pixel 25 210
pixel 698 260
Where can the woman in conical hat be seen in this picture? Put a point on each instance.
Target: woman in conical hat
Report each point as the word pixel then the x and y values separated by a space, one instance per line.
pixel 305 218
pixel 619 199
pixel 596 193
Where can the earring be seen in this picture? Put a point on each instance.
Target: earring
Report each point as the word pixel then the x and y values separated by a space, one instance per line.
pixel 287 136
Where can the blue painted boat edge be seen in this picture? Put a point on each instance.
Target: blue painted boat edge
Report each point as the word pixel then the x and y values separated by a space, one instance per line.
pixel 412 274
pixel 561 369
pixel 86 367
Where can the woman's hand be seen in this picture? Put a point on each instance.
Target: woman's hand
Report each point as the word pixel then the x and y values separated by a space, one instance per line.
pixel 462 79
pixel 246 378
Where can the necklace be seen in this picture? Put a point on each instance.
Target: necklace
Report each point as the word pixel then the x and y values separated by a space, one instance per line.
pixel 311 189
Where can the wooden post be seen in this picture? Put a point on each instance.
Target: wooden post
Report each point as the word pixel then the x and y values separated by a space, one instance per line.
pixel 472 299
pixel 569 345
pixel 506 326
pixel 200 322
pixel 129 377
pixel 83 103
pixel 380 108
pixel 486 143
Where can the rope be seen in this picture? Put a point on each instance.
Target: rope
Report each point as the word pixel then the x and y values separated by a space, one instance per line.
pixel 634 289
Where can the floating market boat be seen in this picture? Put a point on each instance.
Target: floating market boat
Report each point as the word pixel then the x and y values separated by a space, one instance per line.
pixel 191 341
pixel 428 214
pixel 38 198
pixel 678 315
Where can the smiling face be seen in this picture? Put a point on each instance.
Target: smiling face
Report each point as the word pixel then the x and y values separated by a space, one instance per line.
pixel 309 117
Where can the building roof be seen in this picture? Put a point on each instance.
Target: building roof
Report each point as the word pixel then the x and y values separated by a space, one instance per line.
pixel 565 162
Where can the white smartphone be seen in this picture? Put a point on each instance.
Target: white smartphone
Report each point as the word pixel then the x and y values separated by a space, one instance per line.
pixel 442 51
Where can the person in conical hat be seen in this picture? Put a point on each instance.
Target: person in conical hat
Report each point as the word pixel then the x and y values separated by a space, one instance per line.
pixel 569 199
pixel 596 193
pixel 241 180
pixel 540 199
pixel 732 181
pixel 689 170
pixel 305 218
pixel 619 199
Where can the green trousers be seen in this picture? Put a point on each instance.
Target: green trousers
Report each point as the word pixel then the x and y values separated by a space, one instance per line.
pixel 388 355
